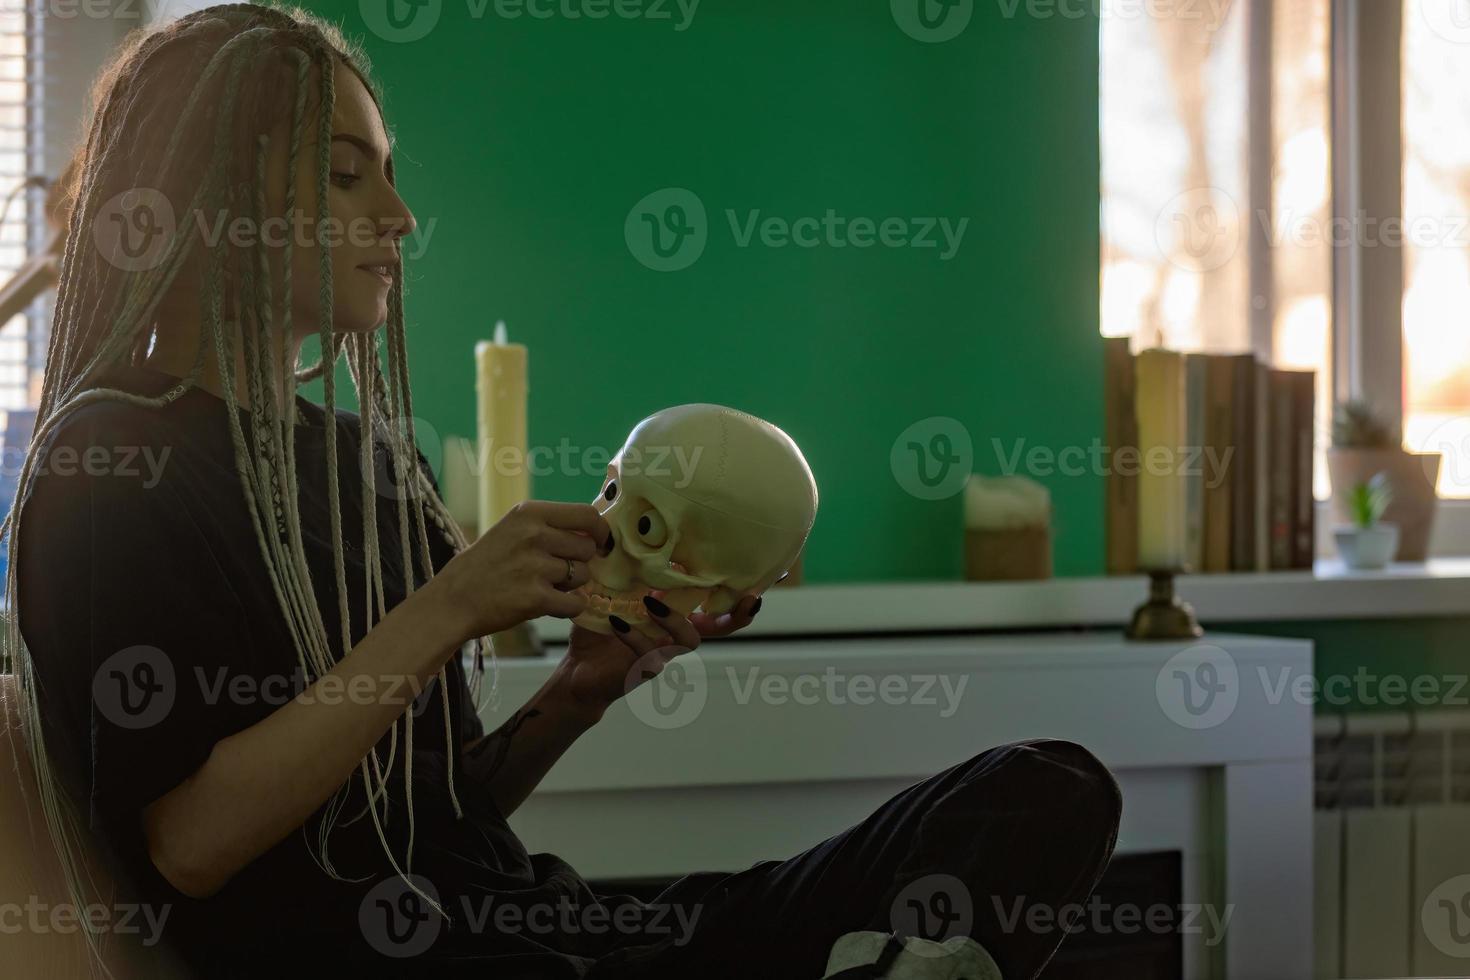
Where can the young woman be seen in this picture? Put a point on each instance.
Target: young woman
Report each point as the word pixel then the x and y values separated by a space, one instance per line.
pixel 238 614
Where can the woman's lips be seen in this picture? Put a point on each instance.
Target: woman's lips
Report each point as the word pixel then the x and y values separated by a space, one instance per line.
pixel 382 273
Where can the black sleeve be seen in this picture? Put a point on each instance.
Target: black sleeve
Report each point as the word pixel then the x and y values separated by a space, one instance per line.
pixel 132 621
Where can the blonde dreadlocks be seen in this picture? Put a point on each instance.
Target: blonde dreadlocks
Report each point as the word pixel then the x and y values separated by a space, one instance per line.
pixel 207 75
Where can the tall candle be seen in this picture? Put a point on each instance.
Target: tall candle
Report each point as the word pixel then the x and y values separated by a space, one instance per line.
pixel 500 383
pixel 1162 488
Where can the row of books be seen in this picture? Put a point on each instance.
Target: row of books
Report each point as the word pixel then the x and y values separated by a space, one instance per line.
pixel 1248 463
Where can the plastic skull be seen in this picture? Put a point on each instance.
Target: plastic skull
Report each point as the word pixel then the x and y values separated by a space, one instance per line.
pixel 706 504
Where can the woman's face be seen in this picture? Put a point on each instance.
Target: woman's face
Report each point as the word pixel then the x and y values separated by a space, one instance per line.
pixel 368 218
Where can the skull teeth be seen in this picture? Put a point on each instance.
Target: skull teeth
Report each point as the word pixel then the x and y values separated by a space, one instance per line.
pixel 626 607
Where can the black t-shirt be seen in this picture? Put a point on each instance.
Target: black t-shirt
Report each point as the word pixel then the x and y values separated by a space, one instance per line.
pixel 156 631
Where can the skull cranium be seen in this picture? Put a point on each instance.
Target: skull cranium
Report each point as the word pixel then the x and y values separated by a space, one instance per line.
pixel 706 504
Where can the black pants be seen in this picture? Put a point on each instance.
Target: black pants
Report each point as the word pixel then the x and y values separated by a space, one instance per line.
pixel 1003 848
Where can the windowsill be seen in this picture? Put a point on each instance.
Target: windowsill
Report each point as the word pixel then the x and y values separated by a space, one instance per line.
pixel 1440 587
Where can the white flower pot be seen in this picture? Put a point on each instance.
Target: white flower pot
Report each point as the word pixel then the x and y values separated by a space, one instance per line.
pixel 1367 547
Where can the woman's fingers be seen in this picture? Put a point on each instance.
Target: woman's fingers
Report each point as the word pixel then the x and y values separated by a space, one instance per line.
pixel 555 572
pixel 567 544
pixel 574 517
pixel 726 623
pixel 678 627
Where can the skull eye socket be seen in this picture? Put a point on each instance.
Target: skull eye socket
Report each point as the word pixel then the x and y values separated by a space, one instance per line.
pixel 651 529
pixel 611 493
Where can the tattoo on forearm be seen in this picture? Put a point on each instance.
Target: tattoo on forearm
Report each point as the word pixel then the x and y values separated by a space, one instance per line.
pixel 480 758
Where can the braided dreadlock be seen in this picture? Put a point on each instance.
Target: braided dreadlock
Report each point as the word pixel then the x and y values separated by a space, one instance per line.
pixel 208 76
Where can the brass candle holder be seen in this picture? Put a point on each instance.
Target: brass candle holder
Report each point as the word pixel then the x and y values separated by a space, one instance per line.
pixel 1164 616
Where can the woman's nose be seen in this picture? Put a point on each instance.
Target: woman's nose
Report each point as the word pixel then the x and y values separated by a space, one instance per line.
pixel 399 222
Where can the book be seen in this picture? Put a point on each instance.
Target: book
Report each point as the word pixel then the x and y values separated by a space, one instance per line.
pixel 1219 460
pixel 1192 459
pixel 1120 432
pixel 1281 469
pixel 1304 523
pixel 1244 441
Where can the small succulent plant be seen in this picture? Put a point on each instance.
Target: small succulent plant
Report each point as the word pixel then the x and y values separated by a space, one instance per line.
pixel 1370 499
pixel 1357 425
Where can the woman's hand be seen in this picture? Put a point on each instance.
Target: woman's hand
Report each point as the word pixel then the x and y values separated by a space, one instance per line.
pixel 524 567
pixel 598 669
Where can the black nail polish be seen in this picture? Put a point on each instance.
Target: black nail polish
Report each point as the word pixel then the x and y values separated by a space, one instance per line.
pixel 757 607
pixel 619 624
pixel 655 607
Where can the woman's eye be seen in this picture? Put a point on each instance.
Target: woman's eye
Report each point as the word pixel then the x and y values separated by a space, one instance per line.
pixel 344 179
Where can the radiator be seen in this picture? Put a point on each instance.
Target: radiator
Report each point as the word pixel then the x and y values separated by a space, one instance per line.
pixel 1392 844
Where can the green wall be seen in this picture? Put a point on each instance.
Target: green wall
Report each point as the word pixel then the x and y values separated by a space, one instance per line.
pixel 527 142
pixel 1363 654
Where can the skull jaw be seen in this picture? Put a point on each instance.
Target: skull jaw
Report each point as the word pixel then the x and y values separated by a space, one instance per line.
pixel 628 604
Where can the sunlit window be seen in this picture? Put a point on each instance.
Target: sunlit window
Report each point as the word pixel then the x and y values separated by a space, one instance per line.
pixel 1301 202
pixel 1176 209
pixel 1174 170
pixel 1436 67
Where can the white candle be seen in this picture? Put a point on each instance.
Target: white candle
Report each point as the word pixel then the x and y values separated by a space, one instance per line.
pixel 1160 406
pixel 500 381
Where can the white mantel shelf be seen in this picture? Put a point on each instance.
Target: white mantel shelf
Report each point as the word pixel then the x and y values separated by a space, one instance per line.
pixel 1440 587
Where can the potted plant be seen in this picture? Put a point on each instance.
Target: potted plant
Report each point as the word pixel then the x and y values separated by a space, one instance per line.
pixel 1369 541
pixel 1364 443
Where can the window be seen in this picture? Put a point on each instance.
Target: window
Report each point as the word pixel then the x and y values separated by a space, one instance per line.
pixel 1436 175
pixel 1215 159
pixel 22 225
pixel 1227 227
